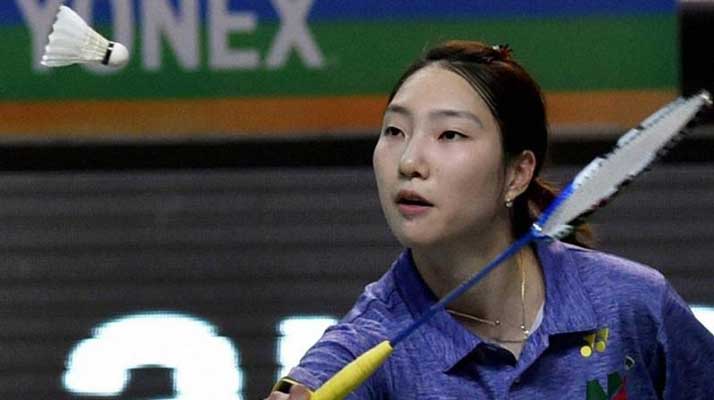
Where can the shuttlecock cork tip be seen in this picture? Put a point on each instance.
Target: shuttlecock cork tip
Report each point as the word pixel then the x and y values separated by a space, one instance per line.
pixel 117 55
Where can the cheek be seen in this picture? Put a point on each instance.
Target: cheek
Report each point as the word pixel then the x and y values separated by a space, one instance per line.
pixel 385 159
pixel 381 167
pixel 378 163
pixel 476 181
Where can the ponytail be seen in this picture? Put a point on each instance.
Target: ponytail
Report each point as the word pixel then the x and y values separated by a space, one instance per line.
pixel 529 206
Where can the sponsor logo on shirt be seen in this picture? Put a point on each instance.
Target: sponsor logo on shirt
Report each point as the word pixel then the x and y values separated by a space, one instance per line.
pixel 615 388
pixel 595 341
pixel 616 383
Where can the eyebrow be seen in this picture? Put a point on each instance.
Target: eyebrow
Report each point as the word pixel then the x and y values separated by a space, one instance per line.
pixel 396 108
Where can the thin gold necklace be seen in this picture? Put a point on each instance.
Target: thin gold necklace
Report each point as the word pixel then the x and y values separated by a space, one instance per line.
pixel 497 322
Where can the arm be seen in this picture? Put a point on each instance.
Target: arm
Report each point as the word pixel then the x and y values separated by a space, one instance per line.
pixel 338 347
pixel 688 351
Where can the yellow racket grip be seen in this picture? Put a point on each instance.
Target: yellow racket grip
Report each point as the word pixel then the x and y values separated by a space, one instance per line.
pixel 353 374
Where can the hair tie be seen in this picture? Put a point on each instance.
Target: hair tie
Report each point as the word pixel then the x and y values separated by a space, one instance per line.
pixel 504 51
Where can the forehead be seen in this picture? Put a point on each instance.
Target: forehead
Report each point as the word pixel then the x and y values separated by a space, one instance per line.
pixel 435 87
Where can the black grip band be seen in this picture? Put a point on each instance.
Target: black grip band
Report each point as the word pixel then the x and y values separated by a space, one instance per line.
pixel 108 54
pixel 284 385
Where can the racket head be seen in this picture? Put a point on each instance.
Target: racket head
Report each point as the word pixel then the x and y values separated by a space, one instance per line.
pixel 605 176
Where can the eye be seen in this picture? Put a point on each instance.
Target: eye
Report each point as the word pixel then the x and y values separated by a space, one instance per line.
pixel 392 131
pixel 451 135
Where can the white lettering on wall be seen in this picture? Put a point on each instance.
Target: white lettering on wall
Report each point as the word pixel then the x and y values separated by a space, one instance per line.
pixel 297 335
pixel 181 30
pixel 178 24
pixel 205 365
pixel 705 315
pixel 39 18
pixel 294 34
pixel 221 23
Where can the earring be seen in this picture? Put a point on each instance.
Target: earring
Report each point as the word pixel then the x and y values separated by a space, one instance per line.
pixel 509 203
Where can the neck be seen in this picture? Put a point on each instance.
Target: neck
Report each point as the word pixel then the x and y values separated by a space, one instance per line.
pixel 498 295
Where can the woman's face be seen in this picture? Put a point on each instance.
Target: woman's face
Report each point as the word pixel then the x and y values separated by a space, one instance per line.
pixel 439 163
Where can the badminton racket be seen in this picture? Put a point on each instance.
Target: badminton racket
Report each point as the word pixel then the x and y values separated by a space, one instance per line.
pixel 591 188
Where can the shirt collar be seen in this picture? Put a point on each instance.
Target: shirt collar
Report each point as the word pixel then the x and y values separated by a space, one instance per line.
pixel 448 339
pixel 567 307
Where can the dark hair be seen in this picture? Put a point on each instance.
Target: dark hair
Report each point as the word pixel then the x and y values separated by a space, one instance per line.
pixel 517 103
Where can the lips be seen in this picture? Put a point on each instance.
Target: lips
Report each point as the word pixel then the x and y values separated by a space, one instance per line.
pixel 412 198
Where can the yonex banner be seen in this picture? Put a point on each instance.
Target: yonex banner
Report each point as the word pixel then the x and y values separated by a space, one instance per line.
pixel 313 66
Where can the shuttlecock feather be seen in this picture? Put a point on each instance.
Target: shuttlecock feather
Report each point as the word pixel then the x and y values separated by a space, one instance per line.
pixel 72 41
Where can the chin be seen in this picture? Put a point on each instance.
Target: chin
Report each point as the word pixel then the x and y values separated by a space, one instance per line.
pixel 417 233
pixel 413 240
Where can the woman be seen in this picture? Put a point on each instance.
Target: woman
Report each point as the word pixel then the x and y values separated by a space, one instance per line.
pixel 462 142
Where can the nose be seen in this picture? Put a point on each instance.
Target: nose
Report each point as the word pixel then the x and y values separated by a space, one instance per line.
pixel 412 163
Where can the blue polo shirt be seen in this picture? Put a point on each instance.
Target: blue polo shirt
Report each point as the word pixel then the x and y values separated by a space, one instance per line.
pixel 611 329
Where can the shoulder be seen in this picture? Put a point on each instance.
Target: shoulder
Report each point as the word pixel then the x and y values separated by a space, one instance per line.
pixel 376 312
pixel 369 322
pixel 647 319
pixel 600 271
pixel 371 319
pixel 617 289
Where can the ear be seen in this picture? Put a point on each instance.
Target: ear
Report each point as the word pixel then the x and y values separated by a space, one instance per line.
pixel 519 174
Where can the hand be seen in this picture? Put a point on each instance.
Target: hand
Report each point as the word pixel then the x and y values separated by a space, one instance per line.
pixel 297 392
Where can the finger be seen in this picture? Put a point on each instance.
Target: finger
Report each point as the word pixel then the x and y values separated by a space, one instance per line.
pixel 299 392
pixel 277 396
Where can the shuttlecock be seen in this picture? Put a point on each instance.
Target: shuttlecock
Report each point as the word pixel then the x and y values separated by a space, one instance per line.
pixel 72 41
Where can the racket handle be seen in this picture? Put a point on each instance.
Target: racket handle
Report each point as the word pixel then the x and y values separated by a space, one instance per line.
pixel 353 374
